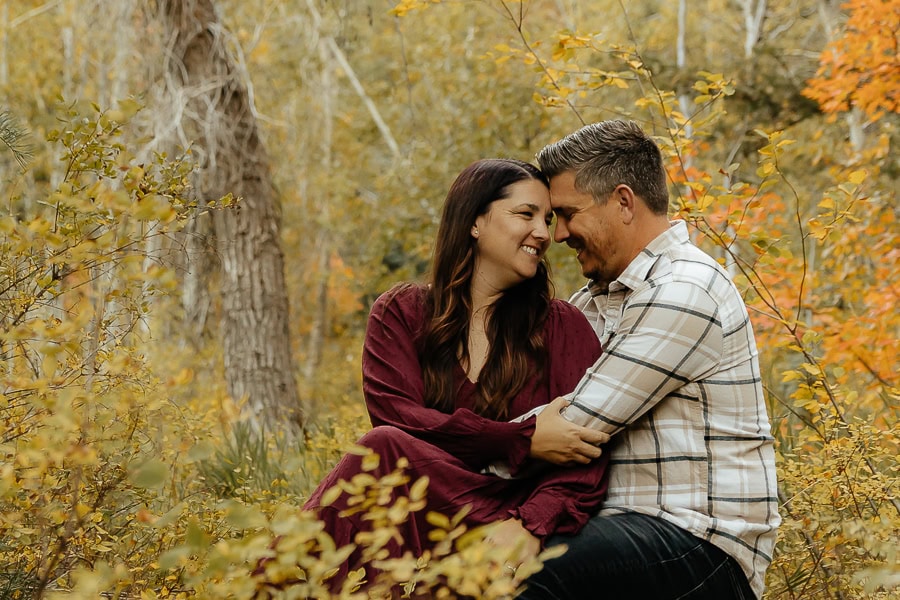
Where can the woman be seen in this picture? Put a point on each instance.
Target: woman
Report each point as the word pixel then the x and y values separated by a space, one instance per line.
pixel 446 365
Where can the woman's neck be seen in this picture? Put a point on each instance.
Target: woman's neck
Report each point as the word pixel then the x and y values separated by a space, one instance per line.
pixel 482 297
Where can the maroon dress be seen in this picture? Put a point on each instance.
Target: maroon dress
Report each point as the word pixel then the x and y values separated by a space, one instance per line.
pixel 452 449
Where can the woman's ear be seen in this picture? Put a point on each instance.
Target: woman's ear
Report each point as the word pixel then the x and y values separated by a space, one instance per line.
pixel 474 231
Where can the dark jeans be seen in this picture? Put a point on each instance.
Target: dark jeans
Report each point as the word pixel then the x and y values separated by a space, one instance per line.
pixel 637 557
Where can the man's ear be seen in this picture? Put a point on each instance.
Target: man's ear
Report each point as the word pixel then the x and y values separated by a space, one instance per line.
pixel 627 201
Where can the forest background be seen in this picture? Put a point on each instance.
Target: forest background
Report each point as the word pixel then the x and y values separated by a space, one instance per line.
pixel 200 201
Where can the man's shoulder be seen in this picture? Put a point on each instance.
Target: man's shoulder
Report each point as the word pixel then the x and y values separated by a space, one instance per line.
pixel 687 266
pixel 686 263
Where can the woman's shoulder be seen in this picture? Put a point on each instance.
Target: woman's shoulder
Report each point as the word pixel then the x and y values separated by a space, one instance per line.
pixel 569 328
pixel 561 310
pixel 405 299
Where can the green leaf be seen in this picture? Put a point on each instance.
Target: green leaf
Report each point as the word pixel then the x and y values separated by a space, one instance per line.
pixel 242 516
pixel 172 558
pixel 151 474
pixel 195 537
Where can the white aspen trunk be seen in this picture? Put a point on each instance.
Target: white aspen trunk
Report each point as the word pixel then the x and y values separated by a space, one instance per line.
pixel 4 44
pixel 567 15
pixel 684 99
pixel 754 14
pixel 68 44
pixel 320 318
pixel 123 47
pixel 341 60
pixel 680 52
pixel 856 126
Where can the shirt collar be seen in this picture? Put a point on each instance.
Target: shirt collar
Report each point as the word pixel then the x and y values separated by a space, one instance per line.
pixel 638 269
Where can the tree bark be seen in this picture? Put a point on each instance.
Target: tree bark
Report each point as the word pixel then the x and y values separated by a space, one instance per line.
pixel 218 117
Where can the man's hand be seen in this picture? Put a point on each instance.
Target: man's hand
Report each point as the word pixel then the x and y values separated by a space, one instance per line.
pixel 560 442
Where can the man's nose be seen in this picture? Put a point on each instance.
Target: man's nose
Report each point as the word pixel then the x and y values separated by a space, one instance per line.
pixel 561 232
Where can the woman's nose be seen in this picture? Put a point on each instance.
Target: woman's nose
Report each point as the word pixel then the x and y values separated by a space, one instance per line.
pixel 541 231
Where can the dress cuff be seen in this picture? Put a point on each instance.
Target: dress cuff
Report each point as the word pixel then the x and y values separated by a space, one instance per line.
pixel 520 445
pixel 546 514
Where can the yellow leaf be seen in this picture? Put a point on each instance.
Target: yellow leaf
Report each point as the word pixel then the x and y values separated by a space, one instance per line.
pixel 129 108
pixel 106 240
pixel 330 495
pixel 438 520
pixel 418 489
pixel 82 509
pixel 765 169
pixel 790 376
pixel 49 364
pixel 370 462
pixel 827 203
pixel 811 369
pixel 857 177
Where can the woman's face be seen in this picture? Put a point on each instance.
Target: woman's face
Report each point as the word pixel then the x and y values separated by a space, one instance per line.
pixel 513 235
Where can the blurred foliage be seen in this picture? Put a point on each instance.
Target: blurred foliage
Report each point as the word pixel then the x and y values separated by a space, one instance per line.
pixel 124 469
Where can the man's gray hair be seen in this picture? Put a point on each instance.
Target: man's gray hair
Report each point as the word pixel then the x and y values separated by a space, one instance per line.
pixel 606 154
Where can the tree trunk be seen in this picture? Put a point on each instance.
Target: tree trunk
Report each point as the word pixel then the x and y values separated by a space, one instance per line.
pixel 218 117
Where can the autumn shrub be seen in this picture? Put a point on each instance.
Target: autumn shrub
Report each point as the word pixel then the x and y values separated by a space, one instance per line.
pixel 126 472
pixel 87 433
pixel 274 549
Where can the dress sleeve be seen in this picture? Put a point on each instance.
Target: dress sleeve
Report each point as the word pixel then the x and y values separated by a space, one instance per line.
pixel 564 498
pixel 394 388
pixel 572 347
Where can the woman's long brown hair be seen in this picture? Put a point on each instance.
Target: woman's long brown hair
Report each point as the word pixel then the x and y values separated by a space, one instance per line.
pixel 514 323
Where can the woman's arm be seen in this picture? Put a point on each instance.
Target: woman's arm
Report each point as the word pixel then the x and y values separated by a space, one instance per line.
pixel 565 497
pixel 394 389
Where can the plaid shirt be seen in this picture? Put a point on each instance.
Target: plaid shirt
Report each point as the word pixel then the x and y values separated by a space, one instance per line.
pixel 679 383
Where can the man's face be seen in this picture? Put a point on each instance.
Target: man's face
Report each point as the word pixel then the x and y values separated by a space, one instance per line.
pixel 594 230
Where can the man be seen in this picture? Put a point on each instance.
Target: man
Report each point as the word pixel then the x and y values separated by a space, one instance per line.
pixel 692 509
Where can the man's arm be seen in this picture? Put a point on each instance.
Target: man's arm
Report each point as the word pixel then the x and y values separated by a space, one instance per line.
pixel 669 336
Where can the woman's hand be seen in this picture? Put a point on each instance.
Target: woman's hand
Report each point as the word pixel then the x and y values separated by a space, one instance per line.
pixel 510 533
pixel 560 442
